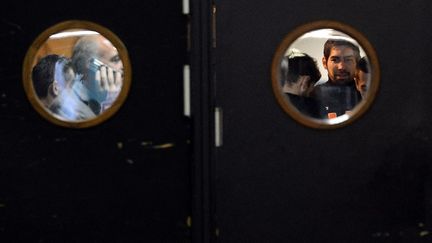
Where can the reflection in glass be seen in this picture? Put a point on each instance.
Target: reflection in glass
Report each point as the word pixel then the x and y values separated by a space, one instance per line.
pixel 77 74
pixel 323 74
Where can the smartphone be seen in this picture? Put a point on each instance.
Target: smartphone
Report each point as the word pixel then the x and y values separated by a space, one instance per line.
pixel 95 64
pixel 95 91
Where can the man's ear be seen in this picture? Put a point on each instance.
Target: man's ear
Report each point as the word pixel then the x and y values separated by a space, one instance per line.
pixel 324 62
pixel 357 81
pixel 55 88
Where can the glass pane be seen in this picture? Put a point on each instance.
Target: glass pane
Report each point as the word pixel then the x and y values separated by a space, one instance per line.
pixel 77 76
pixel 323 76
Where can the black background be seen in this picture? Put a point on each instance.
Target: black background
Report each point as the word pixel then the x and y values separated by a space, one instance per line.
pixel 106 183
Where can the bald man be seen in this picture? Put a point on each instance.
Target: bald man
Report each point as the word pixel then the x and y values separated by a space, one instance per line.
pixel 98 61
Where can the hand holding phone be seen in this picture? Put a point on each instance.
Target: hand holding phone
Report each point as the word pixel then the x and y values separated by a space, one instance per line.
pixel 109 79
pixel 105 83
pixel 106 77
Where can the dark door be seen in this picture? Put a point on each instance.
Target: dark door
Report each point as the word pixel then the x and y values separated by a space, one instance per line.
pixel 279 181
pixel 125 180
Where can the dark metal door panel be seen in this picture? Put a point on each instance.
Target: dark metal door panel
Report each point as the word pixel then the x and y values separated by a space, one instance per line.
pixel 125 180
pixel 279 181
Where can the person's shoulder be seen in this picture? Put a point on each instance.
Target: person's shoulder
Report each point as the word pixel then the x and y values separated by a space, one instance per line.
pixel 319 86
pixel 321 82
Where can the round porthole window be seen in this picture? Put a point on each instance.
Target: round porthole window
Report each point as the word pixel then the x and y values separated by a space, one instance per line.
pixel 325 74
pixel 77 74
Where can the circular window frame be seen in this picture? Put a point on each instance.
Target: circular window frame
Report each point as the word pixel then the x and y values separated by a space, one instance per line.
pixel 40 41
pixel 360 108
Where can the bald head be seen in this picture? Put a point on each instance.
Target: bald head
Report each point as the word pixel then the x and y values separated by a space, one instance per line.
pixel 95 46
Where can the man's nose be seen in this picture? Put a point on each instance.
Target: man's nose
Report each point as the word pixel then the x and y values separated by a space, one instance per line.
pixel 341 65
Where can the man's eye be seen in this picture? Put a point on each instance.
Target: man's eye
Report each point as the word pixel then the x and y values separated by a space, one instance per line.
pixel 115 59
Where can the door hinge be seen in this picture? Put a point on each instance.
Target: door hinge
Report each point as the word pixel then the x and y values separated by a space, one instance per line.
pixel 186 91
pixel 218 127
pixel 186 7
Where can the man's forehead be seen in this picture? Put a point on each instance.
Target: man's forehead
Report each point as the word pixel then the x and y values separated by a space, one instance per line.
pixel 108 51
pixel 341 50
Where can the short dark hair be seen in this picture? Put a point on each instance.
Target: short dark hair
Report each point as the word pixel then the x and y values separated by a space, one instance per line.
pixel 363 65
pixel 299 64
pixel 330 43
pixel 43 74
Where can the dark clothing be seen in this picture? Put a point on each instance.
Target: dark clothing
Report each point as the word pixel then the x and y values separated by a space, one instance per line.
pixel 335 99
pixel 306 105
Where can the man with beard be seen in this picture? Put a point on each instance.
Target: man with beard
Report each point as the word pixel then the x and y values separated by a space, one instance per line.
pixel 338 95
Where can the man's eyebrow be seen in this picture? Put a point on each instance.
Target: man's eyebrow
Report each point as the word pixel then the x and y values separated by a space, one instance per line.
pixel 349 56
pixel 339 56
